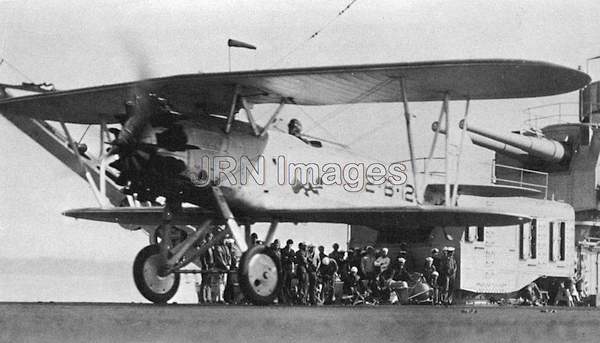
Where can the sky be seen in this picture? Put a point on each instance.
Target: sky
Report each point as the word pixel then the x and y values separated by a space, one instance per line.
pixel 84 43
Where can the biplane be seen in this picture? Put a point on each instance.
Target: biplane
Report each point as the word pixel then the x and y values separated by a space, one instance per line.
pixel 177 149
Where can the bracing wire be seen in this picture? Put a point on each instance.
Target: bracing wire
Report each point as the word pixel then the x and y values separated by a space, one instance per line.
pixel 17 70
pixel 315 122
pixel 5 35
pixel 368 133
pixel 84 132
pixel 333 114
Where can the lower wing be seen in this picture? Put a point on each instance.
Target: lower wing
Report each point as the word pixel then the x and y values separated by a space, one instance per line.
pixel 369 216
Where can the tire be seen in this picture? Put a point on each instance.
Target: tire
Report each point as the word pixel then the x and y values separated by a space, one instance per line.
pixel 153 287
pixel 260 275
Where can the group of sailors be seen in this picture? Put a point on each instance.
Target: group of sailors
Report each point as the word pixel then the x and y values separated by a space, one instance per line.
pixel 309 273
pixel 568 292
pixel 217 263
pixel 368 274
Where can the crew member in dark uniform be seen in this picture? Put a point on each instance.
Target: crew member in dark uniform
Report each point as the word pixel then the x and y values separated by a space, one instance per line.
pixel 399 272
pixel 208 263
pixel 435 288
pixel 353 286
pixel 322 253
pixel 437 260
pixel 302 273
pixel 276 247
pixel 327 271
pixel 428 269
pixel 312 266
pixel 235 255
pixel 449 267
pixel 254 239
pixel 354 258
pixel 222 258
pixel 287 265
pixel 338 256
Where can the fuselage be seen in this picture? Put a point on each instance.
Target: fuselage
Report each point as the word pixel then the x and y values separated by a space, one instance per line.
pixel 282 171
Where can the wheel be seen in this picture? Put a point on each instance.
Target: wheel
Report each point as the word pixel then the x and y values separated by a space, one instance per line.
pixel 260 275
pixel 154 287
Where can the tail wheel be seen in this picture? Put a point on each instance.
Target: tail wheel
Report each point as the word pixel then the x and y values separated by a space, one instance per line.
pixel 148 279
pixel 260 275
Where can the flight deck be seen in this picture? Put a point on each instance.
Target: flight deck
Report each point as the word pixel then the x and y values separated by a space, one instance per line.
pixel 121 322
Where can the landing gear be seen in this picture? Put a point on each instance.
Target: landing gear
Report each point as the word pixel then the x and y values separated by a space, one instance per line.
pixel 157 267
pixel 148 270
pixel 260 275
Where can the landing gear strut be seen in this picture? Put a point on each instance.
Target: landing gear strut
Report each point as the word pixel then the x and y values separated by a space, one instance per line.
pixel 157 267
pixel 259 270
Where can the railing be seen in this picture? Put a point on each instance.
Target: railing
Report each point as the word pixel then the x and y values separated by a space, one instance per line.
pixel 436 168
pixel 523 177
pixel 422 163
pixel 548 114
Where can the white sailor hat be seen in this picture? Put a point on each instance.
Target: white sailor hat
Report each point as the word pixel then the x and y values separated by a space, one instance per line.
pixel 402 260
pixel 450 249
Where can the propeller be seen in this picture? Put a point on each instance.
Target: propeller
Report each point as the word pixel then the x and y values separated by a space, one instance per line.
pixel 134 155
pixel 142 169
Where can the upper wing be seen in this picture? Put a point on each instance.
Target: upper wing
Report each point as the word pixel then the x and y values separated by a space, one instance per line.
pixel 370 216
pixel 213 93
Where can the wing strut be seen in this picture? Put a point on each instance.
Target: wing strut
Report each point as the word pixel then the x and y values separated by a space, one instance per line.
pixel 231 116
pixel 463 135
pixel 247 108
pixel 437 128
pixel 446 157
pixel 273 117
pixel 410 140
pixel 102 135
pixel 271 232
pixel 248 111
pixel 230 221
pixel 100 197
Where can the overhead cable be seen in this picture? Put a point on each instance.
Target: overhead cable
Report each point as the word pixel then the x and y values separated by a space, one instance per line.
pixel 315 34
